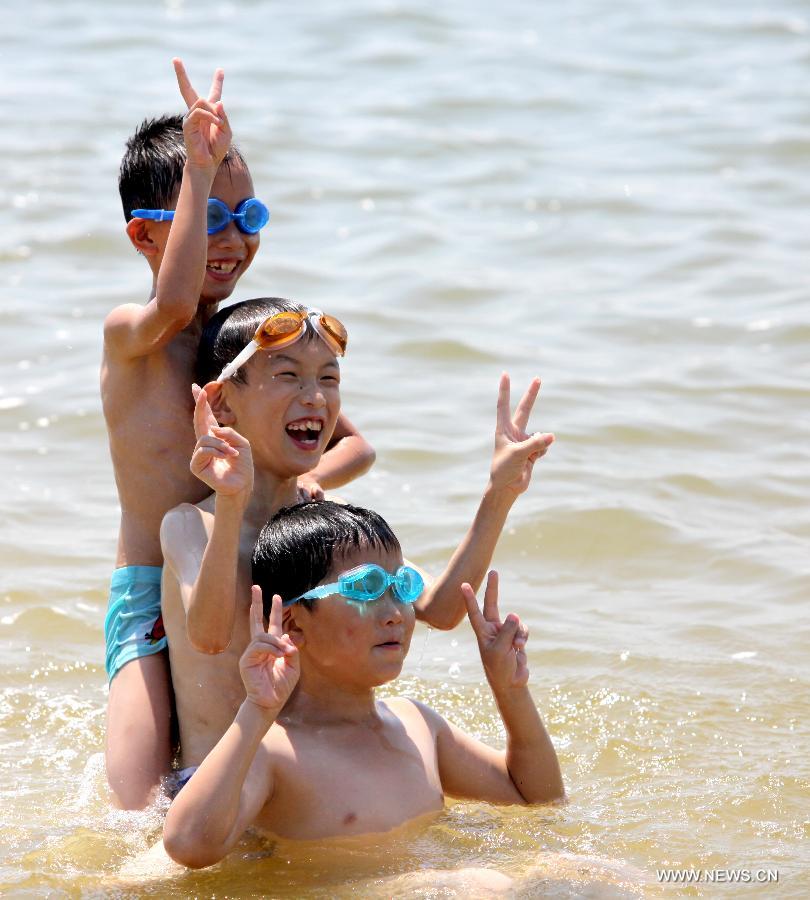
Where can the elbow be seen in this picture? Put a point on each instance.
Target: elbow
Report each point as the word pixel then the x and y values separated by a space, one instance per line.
pixel 189 851
pixel 180 311
pixel 366 457
pixel 441 619
pixel 552 792
pixel 210 647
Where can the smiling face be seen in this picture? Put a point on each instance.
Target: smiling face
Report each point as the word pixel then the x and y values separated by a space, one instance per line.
pixel 230 251
pixel 288 406
pixel 355 645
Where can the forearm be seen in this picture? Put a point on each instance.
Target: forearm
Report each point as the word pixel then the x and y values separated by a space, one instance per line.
pixel 443 603
pixel 348 459
pixel 203 822
pixel 212 606
pixel 530 755
pixel 182 271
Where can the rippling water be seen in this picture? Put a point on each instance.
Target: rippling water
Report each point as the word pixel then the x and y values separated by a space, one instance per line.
pixel 613 197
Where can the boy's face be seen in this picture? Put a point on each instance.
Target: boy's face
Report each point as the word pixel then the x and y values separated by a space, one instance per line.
pixel 289 406
pixel 355 644
pixel 230 251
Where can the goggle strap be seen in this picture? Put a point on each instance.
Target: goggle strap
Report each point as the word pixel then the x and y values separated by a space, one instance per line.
pixel 238 362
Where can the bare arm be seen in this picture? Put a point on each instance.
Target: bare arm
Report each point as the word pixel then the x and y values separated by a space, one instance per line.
pixel 442 604
pixel 235 780
pixel 223 460
pixel 528 771
pixel 348 457
pixel 131 330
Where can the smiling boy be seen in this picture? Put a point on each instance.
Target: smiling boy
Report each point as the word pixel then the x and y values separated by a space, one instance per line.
pixel 249 423
pixel 311 753
pixel 176 176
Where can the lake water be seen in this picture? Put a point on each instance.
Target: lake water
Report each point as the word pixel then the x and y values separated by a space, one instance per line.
pixel 613 197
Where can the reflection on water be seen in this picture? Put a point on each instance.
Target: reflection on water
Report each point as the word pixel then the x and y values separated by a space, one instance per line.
pixel 611 197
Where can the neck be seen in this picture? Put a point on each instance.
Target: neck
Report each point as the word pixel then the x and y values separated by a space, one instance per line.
pixel 318 700
pixel 270 494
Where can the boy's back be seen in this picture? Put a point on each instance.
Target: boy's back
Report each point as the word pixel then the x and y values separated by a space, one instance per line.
pixel 148 408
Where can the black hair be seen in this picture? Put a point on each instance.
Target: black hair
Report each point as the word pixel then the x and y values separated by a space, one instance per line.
pixel 152 166
pixel 296 547
pixel 229 330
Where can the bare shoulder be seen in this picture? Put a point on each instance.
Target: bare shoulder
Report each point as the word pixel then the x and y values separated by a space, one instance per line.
pixel 184 530
pixel 411 711
pixel 118 325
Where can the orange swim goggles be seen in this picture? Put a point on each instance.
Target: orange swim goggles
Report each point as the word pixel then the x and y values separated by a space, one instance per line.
pixel 285 328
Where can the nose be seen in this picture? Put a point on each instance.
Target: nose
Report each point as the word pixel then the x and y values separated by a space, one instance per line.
pixel 229 238
pixel 389 609
pixel 312 395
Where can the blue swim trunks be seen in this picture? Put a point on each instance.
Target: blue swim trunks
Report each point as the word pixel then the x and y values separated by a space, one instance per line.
pixel 133 626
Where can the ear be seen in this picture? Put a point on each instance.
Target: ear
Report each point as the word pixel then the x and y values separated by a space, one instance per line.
pixel 218 401
pixel 140 237
pixel 292 627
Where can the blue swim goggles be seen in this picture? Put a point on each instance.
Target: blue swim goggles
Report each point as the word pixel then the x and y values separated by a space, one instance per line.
pixel 250 216
pixel 369 582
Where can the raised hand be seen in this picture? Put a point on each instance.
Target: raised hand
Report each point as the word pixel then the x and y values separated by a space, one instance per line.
pixel 516 451
pixel 206 130
pixel 270 666
pixel 502 645
pixel 222 457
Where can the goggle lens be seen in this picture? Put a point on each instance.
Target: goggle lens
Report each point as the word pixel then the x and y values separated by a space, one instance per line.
pixel 250 216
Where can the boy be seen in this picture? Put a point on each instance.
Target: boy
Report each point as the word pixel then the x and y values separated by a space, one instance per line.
pixel 264 425
pixel 311 754
pixel 149 351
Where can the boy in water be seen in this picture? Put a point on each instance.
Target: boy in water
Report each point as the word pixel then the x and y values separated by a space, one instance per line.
pixel 188 171
pixel 311 753
pixel 258 428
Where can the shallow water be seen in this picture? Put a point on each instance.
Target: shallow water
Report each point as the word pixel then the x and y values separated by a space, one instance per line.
pixel 611 197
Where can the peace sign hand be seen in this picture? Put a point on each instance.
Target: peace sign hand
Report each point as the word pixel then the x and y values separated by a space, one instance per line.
pixel 502 645
pixel 270 666
pixel 516 451
pixel 222 458
pixel 206 130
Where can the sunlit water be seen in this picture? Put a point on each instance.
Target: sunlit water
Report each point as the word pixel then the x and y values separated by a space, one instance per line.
pixel 612 196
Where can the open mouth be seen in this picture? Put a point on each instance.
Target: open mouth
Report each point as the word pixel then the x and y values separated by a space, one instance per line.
pixel 221 269
pixel 305 433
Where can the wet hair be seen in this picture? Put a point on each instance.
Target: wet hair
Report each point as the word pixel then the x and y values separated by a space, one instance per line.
pixel 228 331
pixel 152 166
pixel 296 547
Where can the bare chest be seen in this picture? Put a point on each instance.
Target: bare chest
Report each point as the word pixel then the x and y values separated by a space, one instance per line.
pixel 340 785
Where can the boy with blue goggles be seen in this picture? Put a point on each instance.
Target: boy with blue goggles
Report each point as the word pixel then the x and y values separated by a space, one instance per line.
pixel 250 216
pixel 369 582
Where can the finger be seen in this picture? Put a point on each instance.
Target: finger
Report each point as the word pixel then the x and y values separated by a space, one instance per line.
pixel 535 444
pixel 256 612
pixel 524 408
pixel 215 443
pixel 505 637
pixel 195 391
pixel 233 437
pixel 276 627
pixel 202 414
pixel 503 416
pixel 521 637
pixel 198 117
pixel 216 86
pixel 473 612
pixel 188 92
pixel 491 598
pixel 202 457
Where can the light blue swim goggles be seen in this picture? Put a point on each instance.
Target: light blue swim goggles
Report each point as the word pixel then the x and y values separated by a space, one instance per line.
pixel 369 582
pixel 250 216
